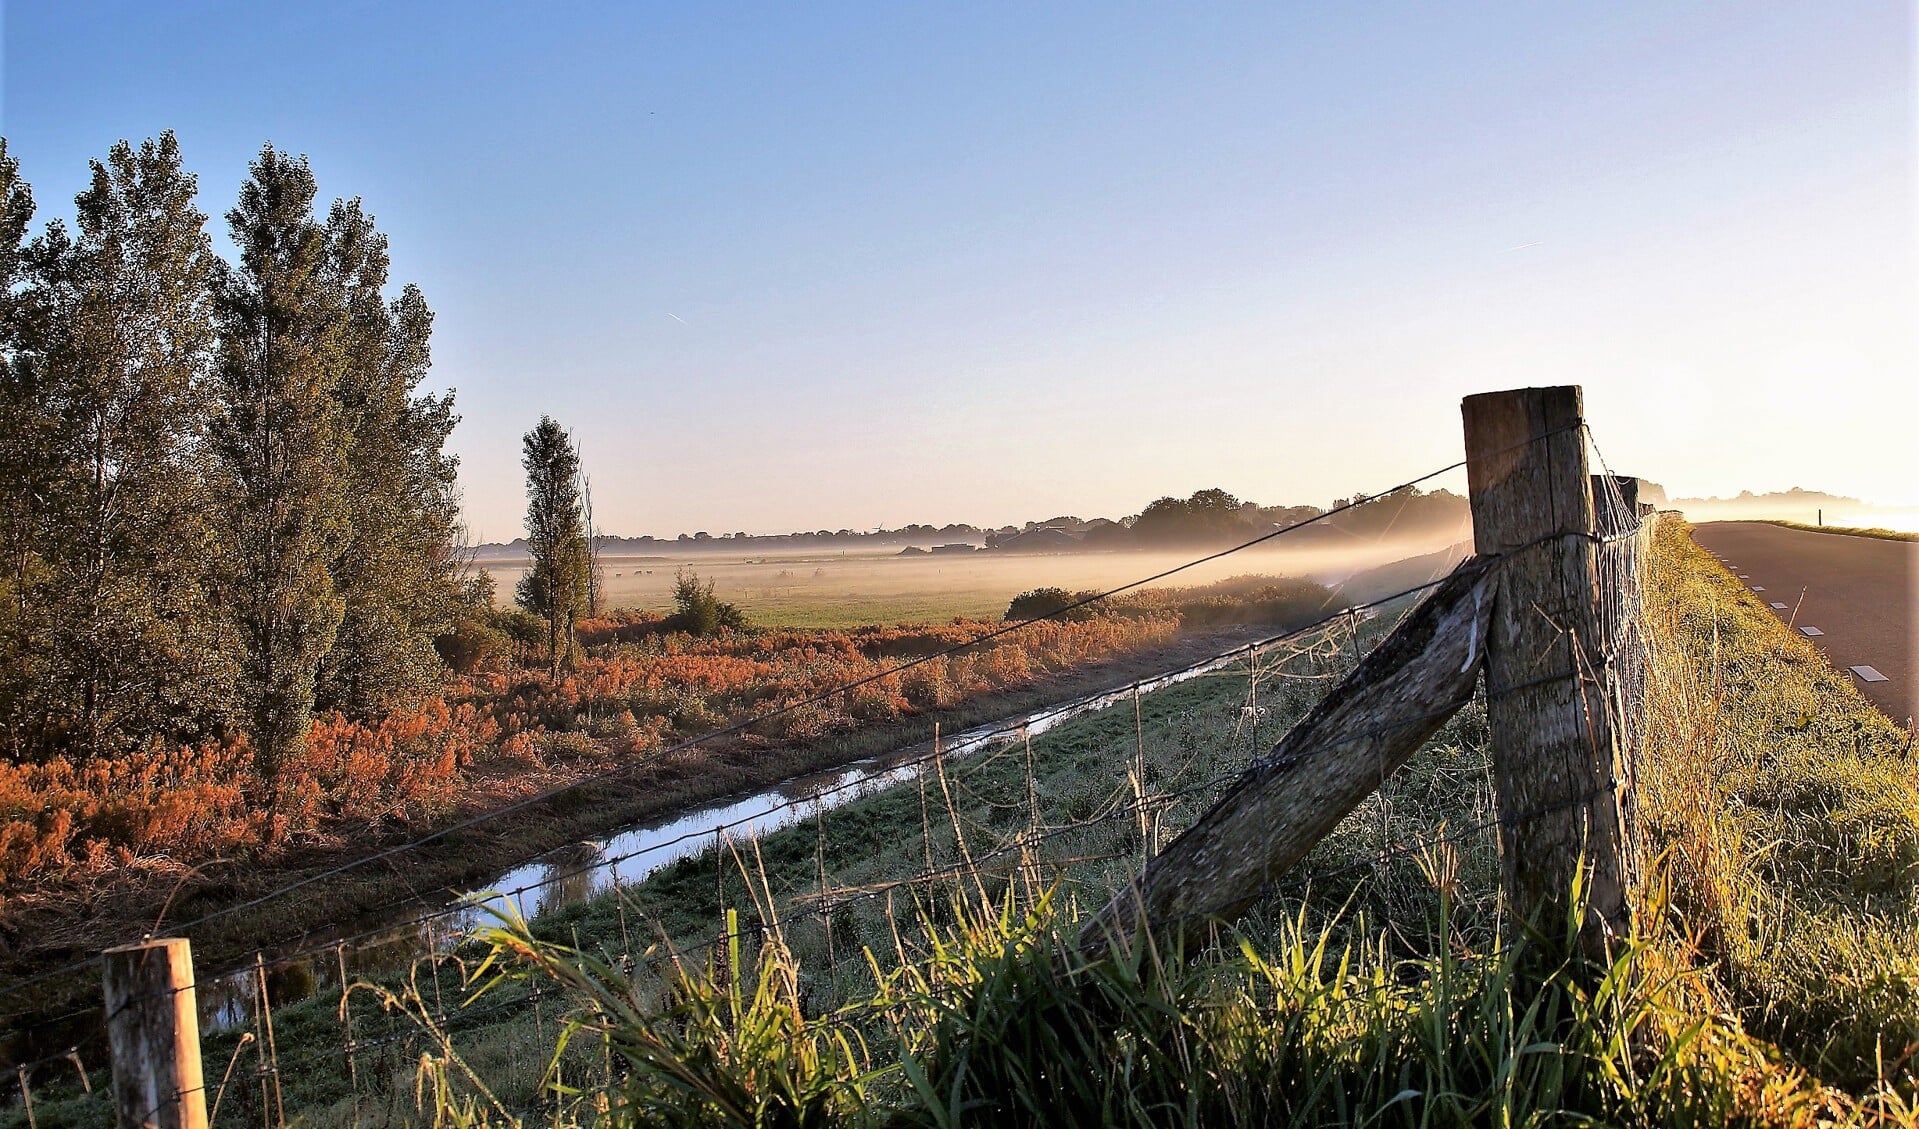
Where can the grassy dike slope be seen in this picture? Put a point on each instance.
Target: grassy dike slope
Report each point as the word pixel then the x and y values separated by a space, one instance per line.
pixel 1784 811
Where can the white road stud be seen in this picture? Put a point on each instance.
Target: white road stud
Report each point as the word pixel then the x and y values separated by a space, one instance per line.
pixel 1868 674
pixel 1810 631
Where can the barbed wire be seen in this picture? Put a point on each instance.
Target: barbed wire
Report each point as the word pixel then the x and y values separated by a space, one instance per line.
pixel 473 905
pixel 824 902
pixel 782 710
pixel 1122 811
pixel 468 1018
pixel 974 741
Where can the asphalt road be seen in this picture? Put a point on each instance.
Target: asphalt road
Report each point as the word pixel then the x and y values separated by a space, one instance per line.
pixel 1858 591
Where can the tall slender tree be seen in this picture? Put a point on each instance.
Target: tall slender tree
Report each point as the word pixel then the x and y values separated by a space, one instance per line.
pixel 595 572
pixel 280 444
pixel 16 213
pixel 134 647
pixel 396 578
pixel 556 586
pixel 24 422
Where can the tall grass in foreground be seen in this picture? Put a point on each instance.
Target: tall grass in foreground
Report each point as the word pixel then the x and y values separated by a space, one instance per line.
pixel 996 1019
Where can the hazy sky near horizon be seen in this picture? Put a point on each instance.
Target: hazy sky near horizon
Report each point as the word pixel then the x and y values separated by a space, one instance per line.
pixel 802 266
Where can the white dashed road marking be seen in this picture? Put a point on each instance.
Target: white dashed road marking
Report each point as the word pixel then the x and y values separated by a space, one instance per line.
pixel 1859 592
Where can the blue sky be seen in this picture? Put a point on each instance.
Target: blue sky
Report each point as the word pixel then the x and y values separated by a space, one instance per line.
pixel 804 266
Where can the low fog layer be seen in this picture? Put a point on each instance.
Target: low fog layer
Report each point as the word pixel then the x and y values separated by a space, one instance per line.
pixel 1848 512
pixel 851 588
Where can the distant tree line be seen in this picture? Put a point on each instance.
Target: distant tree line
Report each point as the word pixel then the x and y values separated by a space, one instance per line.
pixel 1206 517
pixel 1215 516
pixel 736 542
pixel 224 500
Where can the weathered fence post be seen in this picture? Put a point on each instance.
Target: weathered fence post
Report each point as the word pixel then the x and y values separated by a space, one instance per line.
pixel 153 1030
pixel 1554 747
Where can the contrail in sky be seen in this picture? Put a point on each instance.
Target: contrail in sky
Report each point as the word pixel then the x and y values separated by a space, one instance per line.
pixel 1523 246
pixel 676 317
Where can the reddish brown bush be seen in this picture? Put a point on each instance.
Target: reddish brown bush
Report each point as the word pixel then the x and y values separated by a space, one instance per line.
pixel 636 690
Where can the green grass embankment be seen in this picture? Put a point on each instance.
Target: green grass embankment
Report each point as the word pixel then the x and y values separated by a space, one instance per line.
pixel 1784 810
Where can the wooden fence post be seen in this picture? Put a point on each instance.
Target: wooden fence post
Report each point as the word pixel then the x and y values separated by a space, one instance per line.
pixel 153 1030
pixel 1554 748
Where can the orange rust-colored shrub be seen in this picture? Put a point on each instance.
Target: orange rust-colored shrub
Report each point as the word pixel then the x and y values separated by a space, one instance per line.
pixel 636 691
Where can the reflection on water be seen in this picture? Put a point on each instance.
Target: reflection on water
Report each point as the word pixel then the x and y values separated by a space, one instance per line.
pixel 579 872
pixel 229 1000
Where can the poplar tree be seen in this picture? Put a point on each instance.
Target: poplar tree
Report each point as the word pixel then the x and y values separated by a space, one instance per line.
pixel 133 646
pixel 396 578
pixel 16 213
pixel 22 420
pixel 556 585
pixel 279 441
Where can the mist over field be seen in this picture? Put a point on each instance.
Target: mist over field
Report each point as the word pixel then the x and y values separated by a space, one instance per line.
pixel 855 588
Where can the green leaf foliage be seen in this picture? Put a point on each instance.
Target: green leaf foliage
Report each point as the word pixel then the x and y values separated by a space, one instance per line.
pixel 395 577
pixel 224 500
pixel 557 587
